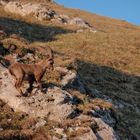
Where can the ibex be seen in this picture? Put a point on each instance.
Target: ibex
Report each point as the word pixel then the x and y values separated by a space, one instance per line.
pixel 34 72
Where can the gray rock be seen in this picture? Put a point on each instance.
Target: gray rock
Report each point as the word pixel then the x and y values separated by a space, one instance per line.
pixel 3 2
pixel 79 30
pixel 1 129
pixel 64 19
pixel 60 131
pixel 80 22
pixel 40 105
pixel 43 12
pixel 71 79
pixel 88 135
pixel 105 132
pixel 55 138
pixel 22 9
pixel 40 123
pixel 105 115
pixel 37 9
pixel 54 105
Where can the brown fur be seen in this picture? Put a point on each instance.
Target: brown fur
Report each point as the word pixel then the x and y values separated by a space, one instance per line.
pixel 34 72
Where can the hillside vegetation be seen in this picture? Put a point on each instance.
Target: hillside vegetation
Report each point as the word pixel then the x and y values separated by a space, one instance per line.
pixel 108 60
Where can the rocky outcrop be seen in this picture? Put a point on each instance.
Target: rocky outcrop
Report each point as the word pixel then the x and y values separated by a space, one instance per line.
pixel 71 79
pixel 105 132
pixel 105 115
pixel 22 9
pixel 3 2
pixel 88 135
pixel 43 12
pixel 55 105
pixel 50 104
pixel 97 130
pixel 101 129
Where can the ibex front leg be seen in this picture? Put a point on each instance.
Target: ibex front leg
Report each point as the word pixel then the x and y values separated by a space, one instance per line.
pixel 18 85
pixel 38 78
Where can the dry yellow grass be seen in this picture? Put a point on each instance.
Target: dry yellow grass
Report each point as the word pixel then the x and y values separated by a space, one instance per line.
pixel 108 60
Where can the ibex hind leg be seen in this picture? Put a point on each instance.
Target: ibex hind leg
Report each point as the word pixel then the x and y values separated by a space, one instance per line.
pixel 18 86
pixel 19 80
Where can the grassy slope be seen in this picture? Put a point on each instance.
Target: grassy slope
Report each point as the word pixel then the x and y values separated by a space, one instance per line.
pixel 107 60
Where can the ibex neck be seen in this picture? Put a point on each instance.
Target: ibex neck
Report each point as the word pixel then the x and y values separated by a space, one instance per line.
pixel 43 63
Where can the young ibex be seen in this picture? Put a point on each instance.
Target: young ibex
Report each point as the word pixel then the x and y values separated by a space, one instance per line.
pixel 34 72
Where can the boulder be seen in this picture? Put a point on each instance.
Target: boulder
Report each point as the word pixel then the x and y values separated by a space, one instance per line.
pixel 71 79
pixel 80 22
pixel 105 132
pixel 49 105
pixel 55 105
pixel 87 134
pixel 22 9
pixel 43 12
pixel 3 2
pixel 102 130
pixel 105 115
